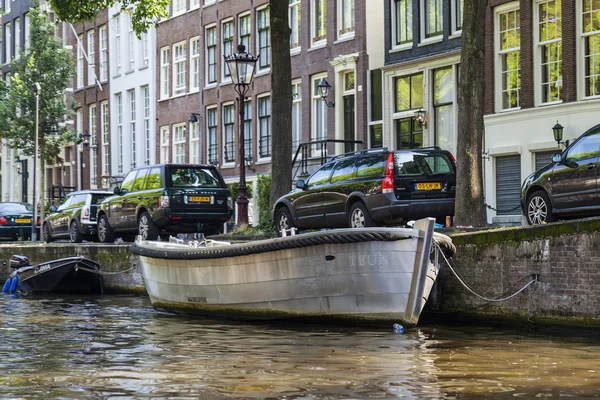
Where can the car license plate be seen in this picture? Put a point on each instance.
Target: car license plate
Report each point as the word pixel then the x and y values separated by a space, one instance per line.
pixel 428 186
pixel 22 220
pixel 199 199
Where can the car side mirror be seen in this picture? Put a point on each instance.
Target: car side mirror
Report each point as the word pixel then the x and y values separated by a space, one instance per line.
pixel 300 184
pixel 117 190
pixel 557 158
pixel 53 208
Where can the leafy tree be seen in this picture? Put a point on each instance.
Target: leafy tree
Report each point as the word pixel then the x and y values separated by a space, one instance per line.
pixel 144 13
pixel 470 208
pixel 48 63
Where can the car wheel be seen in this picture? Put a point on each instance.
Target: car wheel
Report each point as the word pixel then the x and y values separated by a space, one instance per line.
pixel 46 232
pixel 539 209
pixel 74 233
pixel 359 216
pixel 105 231
pixel 147 228
pixel 283 220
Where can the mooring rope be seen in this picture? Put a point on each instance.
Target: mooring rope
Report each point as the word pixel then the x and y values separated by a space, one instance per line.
pixel 476 294
pixel 94 271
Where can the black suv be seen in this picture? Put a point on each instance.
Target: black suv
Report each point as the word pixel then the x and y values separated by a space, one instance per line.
pixel 166 199
pixel 568 186
pixel 75 218
pixel 372 187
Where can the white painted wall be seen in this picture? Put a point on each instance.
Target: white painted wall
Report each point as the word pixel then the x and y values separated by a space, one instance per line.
pixel 375 34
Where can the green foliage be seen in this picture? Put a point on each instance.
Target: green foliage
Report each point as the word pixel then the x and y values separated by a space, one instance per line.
pixel 234 189
pixel 144 13
pixel 47 62
pixel 264 202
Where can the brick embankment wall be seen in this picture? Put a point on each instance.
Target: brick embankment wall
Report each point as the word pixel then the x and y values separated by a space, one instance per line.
pixel 564 256
pixel 113 258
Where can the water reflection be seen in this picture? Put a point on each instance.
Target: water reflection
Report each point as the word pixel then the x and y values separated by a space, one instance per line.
pixel 119 347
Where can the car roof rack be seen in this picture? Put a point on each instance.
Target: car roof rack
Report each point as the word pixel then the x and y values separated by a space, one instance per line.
pixel 361 152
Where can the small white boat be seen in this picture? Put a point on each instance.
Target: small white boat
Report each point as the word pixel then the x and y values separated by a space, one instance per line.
pixel 366 275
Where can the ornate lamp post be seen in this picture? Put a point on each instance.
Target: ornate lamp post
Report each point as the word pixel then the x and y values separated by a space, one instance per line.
pixel 36 92
pixel 241 66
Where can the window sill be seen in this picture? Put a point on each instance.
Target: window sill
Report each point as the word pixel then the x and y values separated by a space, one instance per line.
pixel 507 110
pixel 402 47
pixel 226 81
pixel 455 35
pixel 178 13
pixel 432 40
pixel 163 99
pixel 117 76
pixel 318 45
pixel 262 161
pixel 210 86
pixel 295 51
pixel 228 165
pixel 143 68
pixel 131 71
pixel 177 95
pixel 345 38
pixel 194 90
pixel 262 72
pixel 550 103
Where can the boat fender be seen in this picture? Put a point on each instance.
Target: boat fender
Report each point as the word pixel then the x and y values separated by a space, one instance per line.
pixel 6 287
pixel 398 328
pixel 14 284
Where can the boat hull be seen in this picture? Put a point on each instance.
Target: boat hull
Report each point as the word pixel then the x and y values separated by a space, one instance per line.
pixel 362 280
pixel 65 275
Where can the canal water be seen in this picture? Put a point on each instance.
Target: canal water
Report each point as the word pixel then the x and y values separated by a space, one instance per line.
pixel 118 347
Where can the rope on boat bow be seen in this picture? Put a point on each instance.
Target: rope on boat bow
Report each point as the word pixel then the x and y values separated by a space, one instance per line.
pixel 531 282
pixel 94 271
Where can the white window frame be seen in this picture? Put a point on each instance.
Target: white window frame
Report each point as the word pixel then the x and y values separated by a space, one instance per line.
pixel 316 102
pixel 165 71
pixel 7 6
pixel 248 142
pixel 164 144
pixel 91 53
pixel 27 28
pixel 296 114
pixel 228 124
pixel 538 49
pixel 17 23
pixel 432 38
pixel 259 127
pixel 118 44
pixel 245 30
pixel 145 50
pixel 408 44
pixel 294 16
pixel 131 46
pixel 582 74
pixel 80 63
pixel 194 149
pixel 195 68
pixel 317 40
pixel 346 32
pixel 212 132
pixel 227 47
pixel 147 126
pixel 132 125
pixel 7 42
pixel 210 37
pixel 179 68
pixel 179 143
pixel 263 33
pixel 105 137
pixel 93 146
pixel 194 4
pixel 179 7
pixel 499 54
pixel 103 53
pixel 119 103
pixel 456 12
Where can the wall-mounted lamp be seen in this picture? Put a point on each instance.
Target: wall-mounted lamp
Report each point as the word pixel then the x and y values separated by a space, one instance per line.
pixel 557 130
pixel 249 164
pixel 84 138
pixel 421 117
pixel 94 147
pixel 195 117
pixel 324 87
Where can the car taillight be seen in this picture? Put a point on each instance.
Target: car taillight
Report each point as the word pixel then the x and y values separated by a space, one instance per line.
pixel 85 213
pixel 452 157
pixel 230 203
pixel 387 185
pixel 163 201
pixel 3 221
pixel 39 221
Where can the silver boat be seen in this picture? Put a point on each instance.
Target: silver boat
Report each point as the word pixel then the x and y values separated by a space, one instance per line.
pixel 368 275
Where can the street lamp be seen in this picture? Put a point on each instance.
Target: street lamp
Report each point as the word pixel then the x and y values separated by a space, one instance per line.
pixel 324 88
pixel 36 92
pixel 241 66
pixel 84 138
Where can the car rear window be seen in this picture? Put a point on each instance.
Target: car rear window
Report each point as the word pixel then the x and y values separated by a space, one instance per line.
pixel 16 207
pixel 97 198
pixel 193 177
pixel 370 167
pixel 422 164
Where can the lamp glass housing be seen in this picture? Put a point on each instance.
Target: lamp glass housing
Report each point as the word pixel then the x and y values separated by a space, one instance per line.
pixel 557 130
pixel 241 66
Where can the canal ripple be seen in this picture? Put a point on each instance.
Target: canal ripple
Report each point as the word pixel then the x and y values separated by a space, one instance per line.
pixel 118 347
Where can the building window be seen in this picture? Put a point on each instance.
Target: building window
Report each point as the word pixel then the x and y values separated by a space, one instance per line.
pixel 211 128
pixel 294 16
pixel 94 147
pixel 7 6
pixel 409 134
pixel 376 108
pixel 132 40
pixel 195 63
pixel 443 108
pixel 434 21
pixel 550 50
pixel 318 21
pixel 349 112
pixel 227 35
pixel 179 67
pixel 27 30
pixel 103 54
pixel 228 133
pixel 264 126
pixel 132 124
pixel 211 55
pixel 119 101
pixel 147 134
pixel 164 73
pixel 248 130
pixel 195 3
pixel 178 6
pixel 509 58
pixel 319 113
pixel 591 40
pixel 457 15
pixel 179 143
pixel 264 38
pixel 402 19
pixel 296 115
pixel 105 136
pixel 8 42
pixel 346 17
pixel 91 45
pixel 79 62
pixel 145 50
pixel 409 92
pixel 164 144
pixel 194 142
pixel 244 27
pixel 117 19
pixel 17 36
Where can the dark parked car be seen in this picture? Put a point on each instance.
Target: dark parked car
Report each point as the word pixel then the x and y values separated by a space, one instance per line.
pixel 568 187
pixel 15 221
pixel 75 218
pixel 166 199
pixel 372 187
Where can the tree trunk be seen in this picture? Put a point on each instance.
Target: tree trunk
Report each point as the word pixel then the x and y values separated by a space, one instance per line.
pixel 281 101
pixel 470 208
